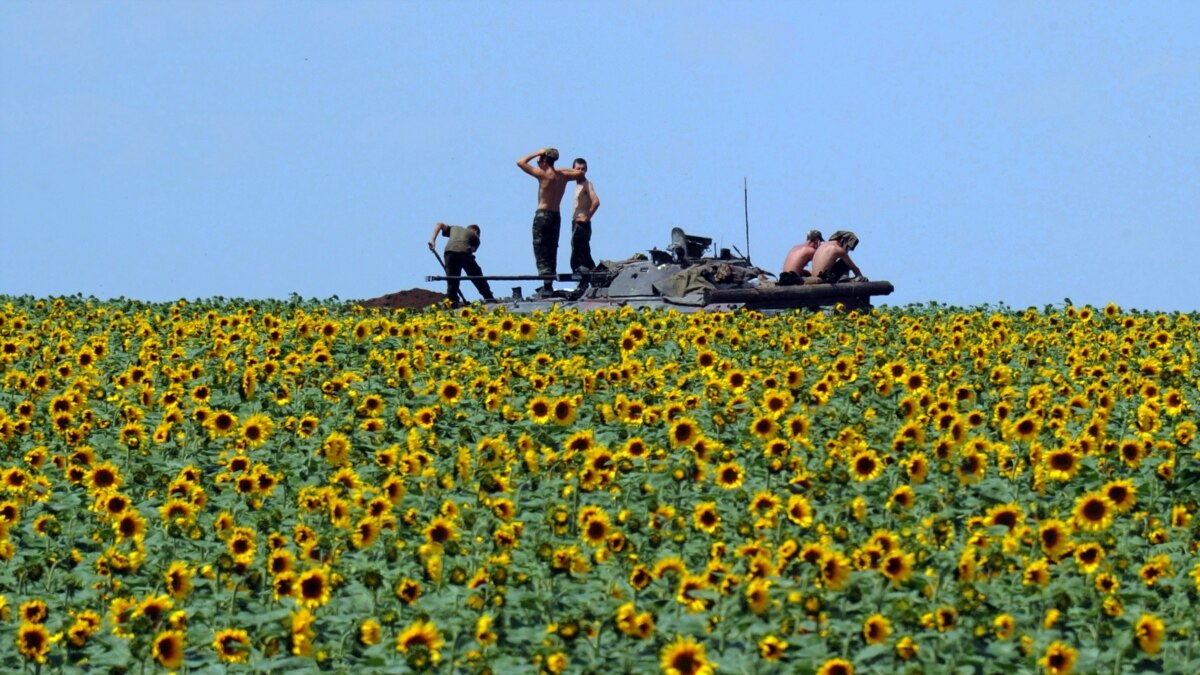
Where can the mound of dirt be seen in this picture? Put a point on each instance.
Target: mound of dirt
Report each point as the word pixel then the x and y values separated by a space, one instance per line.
pixel 413 298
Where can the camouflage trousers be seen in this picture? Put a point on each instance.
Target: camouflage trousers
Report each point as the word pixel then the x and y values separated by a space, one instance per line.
pixel 546 226
pixel 581 246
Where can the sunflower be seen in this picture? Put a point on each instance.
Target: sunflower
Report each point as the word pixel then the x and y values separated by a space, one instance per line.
pixel 897 566
pixel 971 467
pixel 1037 573
pixel 336 448
pixel 1094 512
pixel 1061 464
pixel 1132 452
pixel 366 531
pixel 771 648
pixel 730 475
pixel 865 465
pixel 1156 568
pixel 154 608
pixel 168 649
pixel 1059 659
pixel 232 645
pixel 34 611
pixel 876 629
pixel 1004 625
pixel 370 632
pixel 765 503
pixel 86 623
pixel 917 467
pixel 563 411
pixel 580 441
pixel 256 429
pixel 421 636
pixel 241 544
pixel 130 526
pixel 1106 583
pixel 33 641
pixel 903 497
pixel 540 409
pixel 1026 428
pixel 313 587
pixel 1008 516
pixel 178 580
pixel 596 529
pixel 758 596
pixel 221 423
pixel 105 476
pixel 685 656
pixel 440 531
pixel 798 427
pixel 834 570
pixel 836 667
pixel 705 517
pixel 1054 536
pixel 683 432
pixel 1122 493
pixel 408 591
pixel 306 427
pixel 484 632
pixel 689 584
pixel 764 428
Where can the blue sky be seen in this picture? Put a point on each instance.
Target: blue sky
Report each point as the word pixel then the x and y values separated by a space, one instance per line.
pixel 1009 152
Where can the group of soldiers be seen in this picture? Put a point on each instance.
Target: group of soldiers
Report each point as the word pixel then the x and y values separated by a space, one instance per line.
pixel 547 223
pixel 830 259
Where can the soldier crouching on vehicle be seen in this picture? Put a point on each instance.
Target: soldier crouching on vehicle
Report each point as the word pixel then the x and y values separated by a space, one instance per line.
pixel 832 260
pixel 798 258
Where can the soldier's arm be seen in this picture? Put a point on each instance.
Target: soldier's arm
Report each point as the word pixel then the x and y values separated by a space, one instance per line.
pixel 440 228
pixel 523 163
pixel 851 265
pixel 595 199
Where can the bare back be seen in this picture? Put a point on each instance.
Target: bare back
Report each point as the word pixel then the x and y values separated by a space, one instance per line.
pixel 798 258
pixel 551 186
pixel 826 255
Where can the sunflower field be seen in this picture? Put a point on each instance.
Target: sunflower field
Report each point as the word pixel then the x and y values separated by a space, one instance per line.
pixel 284 486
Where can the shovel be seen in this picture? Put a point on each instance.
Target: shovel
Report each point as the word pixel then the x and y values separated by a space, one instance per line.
pixel 439 259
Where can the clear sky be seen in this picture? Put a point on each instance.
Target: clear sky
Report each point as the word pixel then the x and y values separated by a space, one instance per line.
pixel 984 152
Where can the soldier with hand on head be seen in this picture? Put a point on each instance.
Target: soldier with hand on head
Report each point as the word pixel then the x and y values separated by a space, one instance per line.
pixel 547 220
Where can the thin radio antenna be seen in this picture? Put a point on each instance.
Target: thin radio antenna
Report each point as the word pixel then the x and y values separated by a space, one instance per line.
pixel 746 207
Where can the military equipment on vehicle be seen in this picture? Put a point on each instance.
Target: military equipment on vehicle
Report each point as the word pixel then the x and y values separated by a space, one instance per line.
pixel 688 277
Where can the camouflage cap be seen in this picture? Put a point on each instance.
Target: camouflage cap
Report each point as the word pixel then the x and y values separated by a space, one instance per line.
pixel 551 154
pixel 845 238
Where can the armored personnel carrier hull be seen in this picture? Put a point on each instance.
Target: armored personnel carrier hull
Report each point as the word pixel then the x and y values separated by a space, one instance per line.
pixel 684 278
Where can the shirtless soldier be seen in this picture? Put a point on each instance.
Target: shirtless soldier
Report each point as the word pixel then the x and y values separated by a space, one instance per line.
pixel 547 221
pixel 798 258
pixel 832 259
pixel 586 204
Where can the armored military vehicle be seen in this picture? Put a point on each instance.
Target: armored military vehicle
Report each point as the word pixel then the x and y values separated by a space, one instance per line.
pixel 689 276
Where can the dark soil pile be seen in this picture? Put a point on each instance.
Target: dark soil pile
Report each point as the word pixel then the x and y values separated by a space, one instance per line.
pixel 413 298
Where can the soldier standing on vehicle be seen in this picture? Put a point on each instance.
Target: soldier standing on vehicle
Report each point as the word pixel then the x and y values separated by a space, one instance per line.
pixel 547 221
